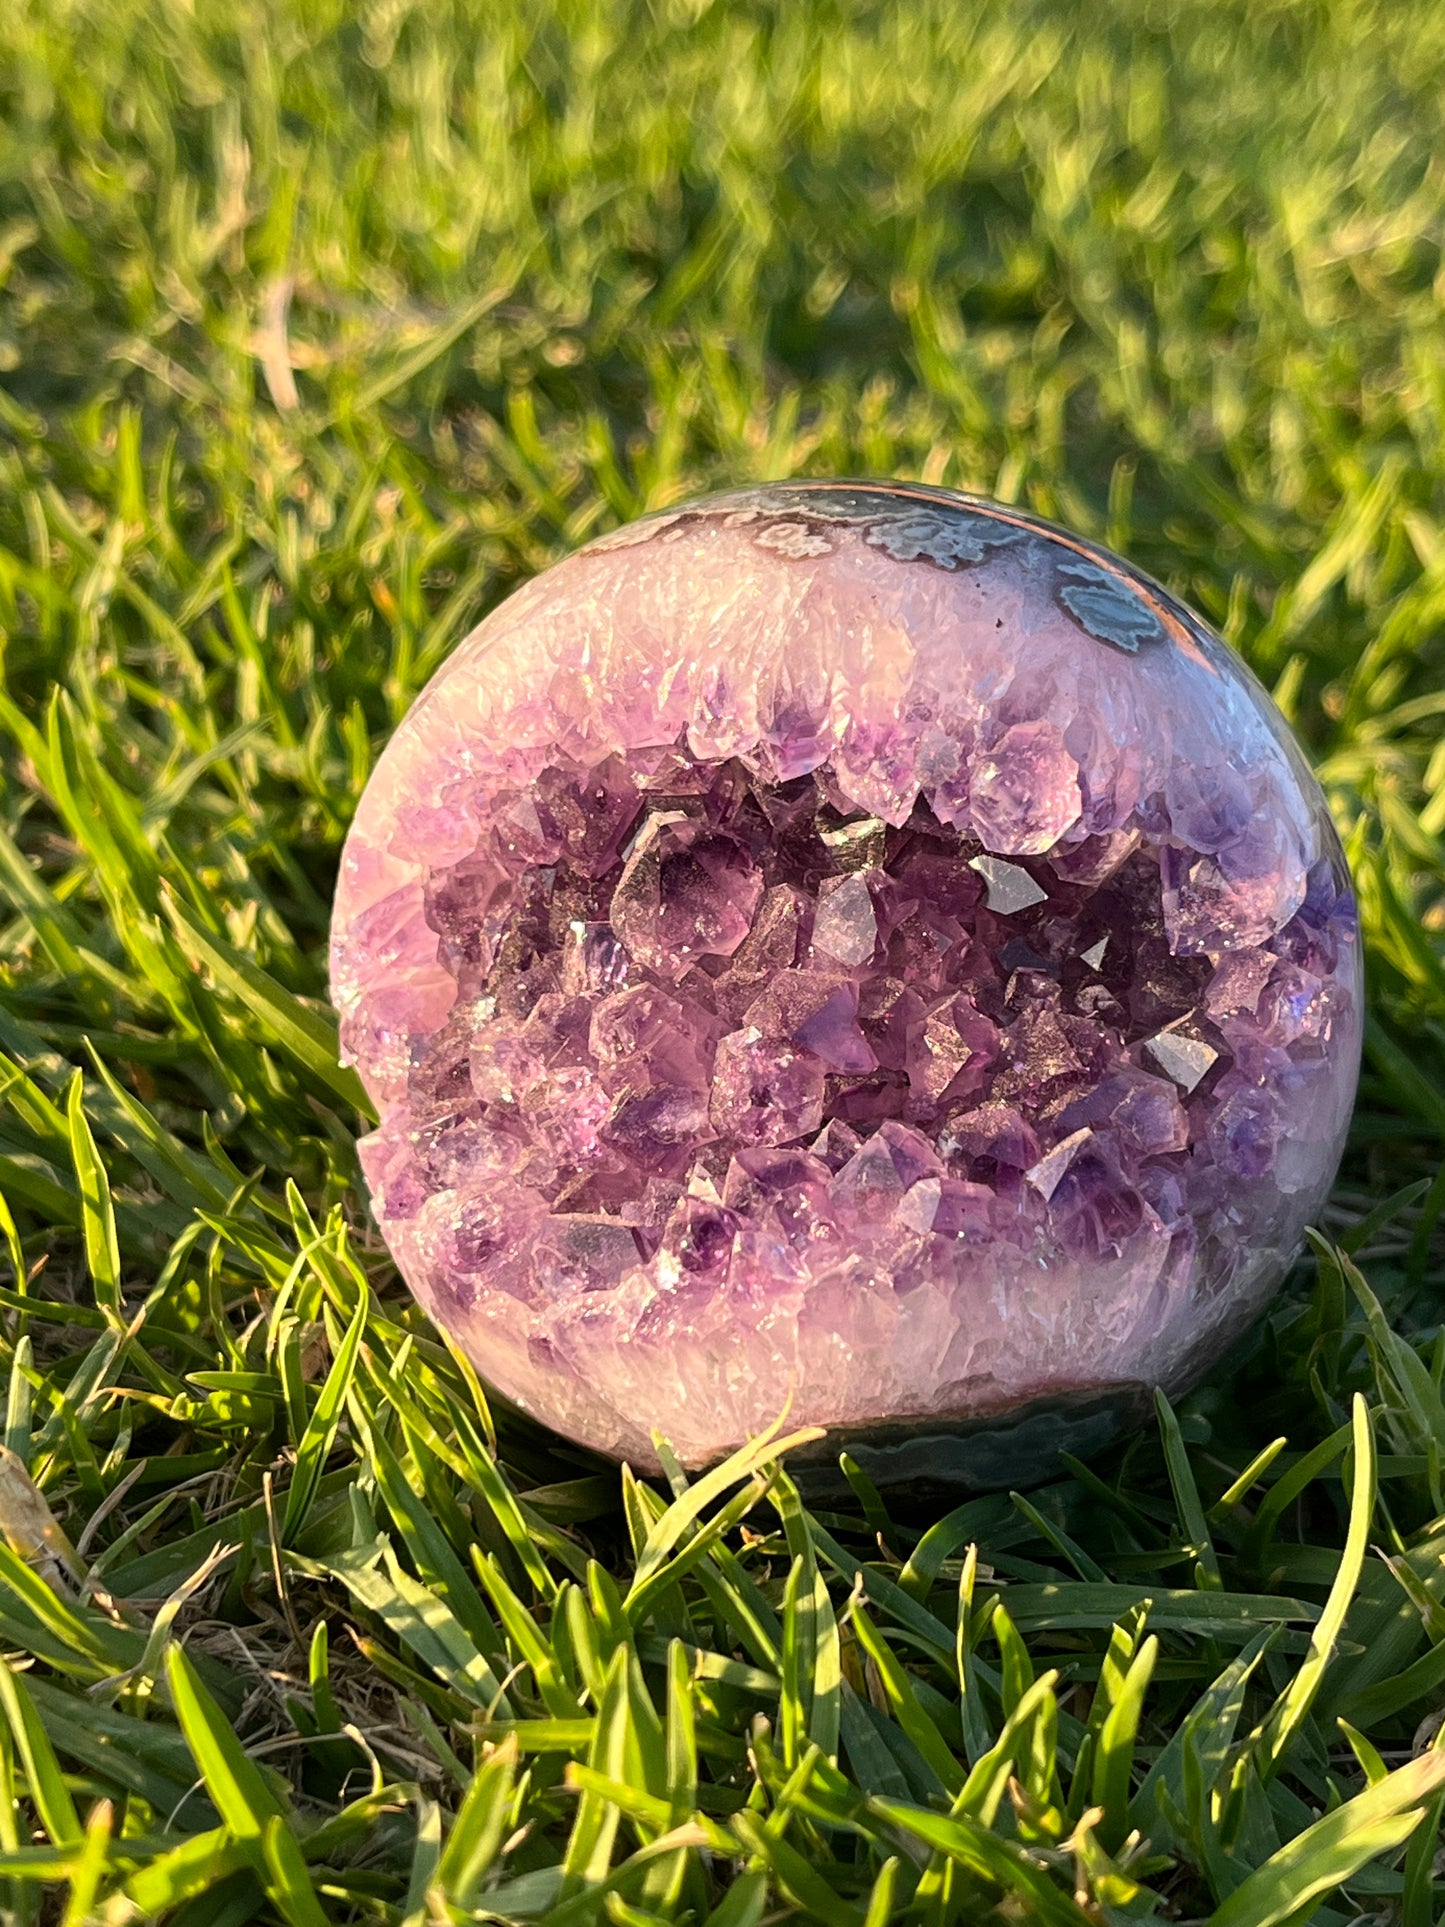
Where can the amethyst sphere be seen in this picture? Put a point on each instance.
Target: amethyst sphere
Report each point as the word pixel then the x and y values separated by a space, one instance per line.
pixel 848 943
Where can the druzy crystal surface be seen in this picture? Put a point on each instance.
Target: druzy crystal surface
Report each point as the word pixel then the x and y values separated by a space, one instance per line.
pixel 848 943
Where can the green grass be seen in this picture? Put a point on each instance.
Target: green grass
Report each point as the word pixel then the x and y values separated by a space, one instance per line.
pixel 321 327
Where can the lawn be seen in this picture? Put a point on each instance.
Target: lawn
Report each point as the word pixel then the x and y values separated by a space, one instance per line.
pixel 323 325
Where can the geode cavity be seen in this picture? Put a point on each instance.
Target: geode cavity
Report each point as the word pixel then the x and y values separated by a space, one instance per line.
pixel 852 942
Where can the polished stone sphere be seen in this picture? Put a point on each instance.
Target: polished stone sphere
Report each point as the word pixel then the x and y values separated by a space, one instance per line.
pixel 850 944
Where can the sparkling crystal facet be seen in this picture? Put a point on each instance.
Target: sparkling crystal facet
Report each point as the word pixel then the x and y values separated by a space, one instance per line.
pixel 845 942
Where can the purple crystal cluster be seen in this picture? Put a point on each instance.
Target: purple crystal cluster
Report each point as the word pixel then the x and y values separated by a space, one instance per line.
pixel 851 944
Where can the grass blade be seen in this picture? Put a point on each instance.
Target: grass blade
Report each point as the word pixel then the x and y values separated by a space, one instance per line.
pixel 1294 1703
pixel 1328 1853
pixel 320 1435
pixel 102 1247
pixel 307 1037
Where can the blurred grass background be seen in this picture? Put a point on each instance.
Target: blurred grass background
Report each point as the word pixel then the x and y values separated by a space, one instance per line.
pixel 323 325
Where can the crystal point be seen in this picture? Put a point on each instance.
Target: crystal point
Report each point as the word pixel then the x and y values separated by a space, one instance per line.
pixel 845 927
pixel 1186 1059
pixel 1010 887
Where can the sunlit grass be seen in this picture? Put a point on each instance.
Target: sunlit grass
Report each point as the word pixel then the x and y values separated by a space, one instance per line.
pixel 321 326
